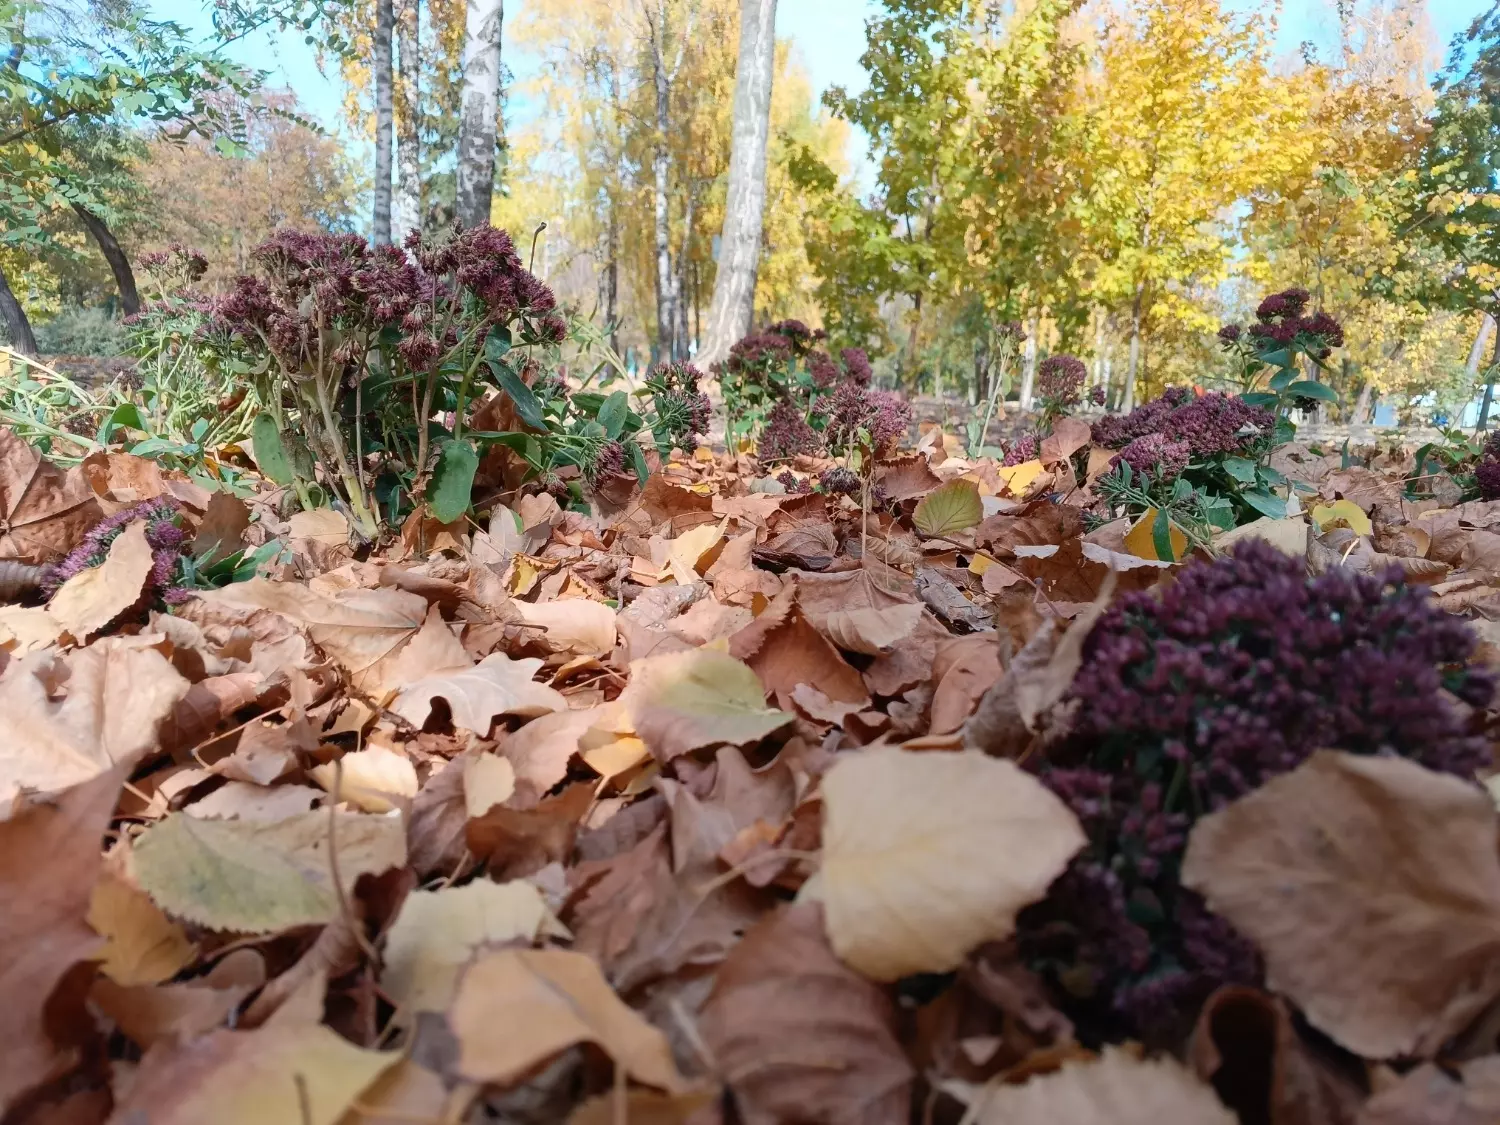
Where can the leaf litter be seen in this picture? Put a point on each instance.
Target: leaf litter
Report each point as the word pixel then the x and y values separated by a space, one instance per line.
pixel 729 807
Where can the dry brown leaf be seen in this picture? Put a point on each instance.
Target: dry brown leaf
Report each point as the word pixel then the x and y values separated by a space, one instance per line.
pixel 69 718
pixel 327 526
pixel 360 629
pixel 221 531
pixel 44 511
pixel 800 1036
pixel 92 598
pixel 49 863
pixel 561 999
pixel 1068 436
pixel 1115 1089
pixel 435 649
pixel 870 631
pixel 1386 885
pixel 28 629
pixel 438 932
pixel 963 669
pixel 148 1014
pixel 926 855
pixel 1430 1095
pixel 540 751
pixel 249 877
pixel 237 800
pixel 377 779
pixel 476 696
pixel 644 1107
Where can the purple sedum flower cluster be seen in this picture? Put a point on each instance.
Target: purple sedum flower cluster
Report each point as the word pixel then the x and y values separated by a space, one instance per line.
pixel 1279 321
pixel 1487 471
pixel 166 539
pixel 1024 448
pixel 1154 454
pixel 1191 696
pixel 794 485
pixel 884 415
pixel 1212 424
pixel 839 481
pixel 685 411
pixel 787 434
pixel 1060 379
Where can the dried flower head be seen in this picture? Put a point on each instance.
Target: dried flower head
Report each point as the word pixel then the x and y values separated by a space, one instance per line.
pixel 1196 693
pixel 1024 448
pixel 1060 379
pixel 1155 455
pixel 787 434
pixel 794 485
pixel 684 412
pixel 839 481
pixel 1212 424
pixel 166 539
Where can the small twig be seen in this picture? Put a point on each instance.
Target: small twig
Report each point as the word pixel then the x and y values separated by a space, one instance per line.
pixel 534 236
pixel 304 1100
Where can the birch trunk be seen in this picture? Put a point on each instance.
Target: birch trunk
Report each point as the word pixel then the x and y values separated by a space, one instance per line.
pixel 732 311
pixel 666 297
pixel 385 22
pixel 478 108
pixel 407 210
pixel 1127 403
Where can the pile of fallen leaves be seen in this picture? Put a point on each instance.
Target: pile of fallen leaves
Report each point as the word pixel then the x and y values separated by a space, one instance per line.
pixel 712 807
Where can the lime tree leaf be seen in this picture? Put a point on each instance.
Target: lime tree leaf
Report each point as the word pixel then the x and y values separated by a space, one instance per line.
pixel 452 481
pixel 953 507
pixel 684 701
pixel 1259 398
pixel 612 414
pixel 261 877
pixel 270 454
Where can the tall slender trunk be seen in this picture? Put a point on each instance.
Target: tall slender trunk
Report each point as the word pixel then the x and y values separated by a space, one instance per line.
pixel 1127 403
pixel 1098 372
pixel 681 337
pixel 1489 387
pixel 612 278
pixel 406 213
pixel 13 316
pixel 479 109
pixel 1476 350
pixel 913 338
pixel 119 264
pixel 733 309
pixel 1028 366
pixel 666 303
pixel 385 22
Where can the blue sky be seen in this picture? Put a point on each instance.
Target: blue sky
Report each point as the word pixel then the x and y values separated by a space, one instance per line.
pixel 828 35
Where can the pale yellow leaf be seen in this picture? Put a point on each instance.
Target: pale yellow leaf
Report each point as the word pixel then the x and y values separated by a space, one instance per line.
pixel 576 625
pixel 1345 512
pixel 142 945
pixel 476 696
pixel 1288 536
pixel 92 598
pixel 489 780
pixel 326 525
pixel 438 932
pixel 683 701
pixel 694 551
pixel 927 855
pixel 375 779
pixel 27 629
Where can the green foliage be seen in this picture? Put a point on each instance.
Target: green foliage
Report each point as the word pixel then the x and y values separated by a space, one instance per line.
pixel 81 331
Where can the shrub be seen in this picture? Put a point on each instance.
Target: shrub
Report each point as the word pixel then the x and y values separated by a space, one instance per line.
pixel 1191 696
pixel 81 331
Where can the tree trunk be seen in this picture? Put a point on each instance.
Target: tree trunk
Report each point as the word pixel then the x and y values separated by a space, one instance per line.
pixel 13 316
pixel 912 340
pixel 385 22
pixel 1028 366
pixel 407 210
pixel 119 264
pixel 680 336
pixel 1489 387
pixel 612 279
pixel 1127 403
pixel 1476 351
pixel 733 308
pixel 666 304
pixel 479 108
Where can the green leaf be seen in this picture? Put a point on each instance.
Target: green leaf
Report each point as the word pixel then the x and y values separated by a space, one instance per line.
pixel 1308 389
pixel 1241 469
pixel 1280 358
pixel 953 507
pixel 1259 398
pixel 1265 503
pixel 525 444
pixel 127 414
pixel 612 414
pixel 1161 535
pixel 270 454
pixel 452 481
pixel 528 406
pixel 497 343
pixel 638 461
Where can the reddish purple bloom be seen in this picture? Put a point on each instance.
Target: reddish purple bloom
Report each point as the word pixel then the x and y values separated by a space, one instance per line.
pixel 787 434
pixel 1060 379
pixel 1153 454
pixel 1024 448
pixel 683 412
pixel 165 538
pixel 1212 424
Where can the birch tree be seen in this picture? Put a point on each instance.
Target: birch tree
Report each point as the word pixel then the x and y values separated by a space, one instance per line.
pixel 385 21
pixel 479 109
pixel 733 309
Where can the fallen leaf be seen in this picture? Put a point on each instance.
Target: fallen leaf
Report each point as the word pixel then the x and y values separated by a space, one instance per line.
pixel 69 718
pixel 147 1014
pixel 963 669
pixel 323 525
pixel 1068 436
pixel 274 1075
pixel 375 779
pixel 28 629
pixel 1432 1095
pixel 409 1092
pixel 360 629
pixel 643 1107
pixel 949 509
pixel 238 800
pixel 694 551
pixel 1342 513
pixel 1287 535
pixel 871 631
pixel 438 932
pixel 142 945
pixel 221 531
pixel 561 999
pixel 540 751
pixel 92 598
pixel 44 511
pixel 49 863
pixel 576 625
pixel 434 650
pixel 1115 1089
pixel 799 1035
pixel 1155 536
pixel 927 855
pixel 262 877
pixel 1387 891
pixel 476 696
pixel 684 701
pixel 489 780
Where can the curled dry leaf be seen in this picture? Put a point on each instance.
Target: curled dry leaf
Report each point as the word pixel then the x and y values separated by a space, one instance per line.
pixel 49 863
pixel 260 878
pixel 1430 1095
pixel 44 511
pixel 576 625
pixel 69 718
pixel 92 598
pixel 870 631
pixel 684 701
pixel 1115 1089
pixel 142 945
pixel 438 932
pixel 476 696
pixel 376 780
pixel 799 1035
pixel 925 856
pixel 1386 890
pixel 562 999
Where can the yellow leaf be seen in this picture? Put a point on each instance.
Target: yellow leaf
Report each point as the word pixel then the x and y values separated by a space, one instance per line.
pixel 951 508
pixel 371 779
pixel 980 563
pixel 93 598
pixel 1019 478
pixel 1140 540
pixel 1345 512
pixel 694 551
pixel 489 780
pixel 144 945
pixel 522 577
